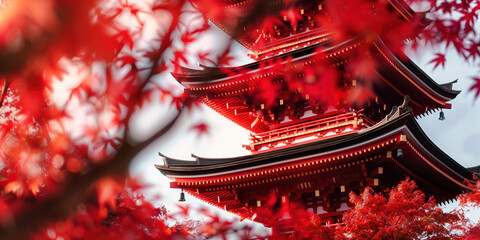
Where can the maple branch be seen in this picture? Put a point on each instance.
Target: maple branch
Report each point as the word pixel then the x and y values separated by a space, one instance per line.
pixel 166 41
pixel 13 61
pixel 164 45
pixel 398 220
pixel 64 201
pixel 6 86
pixel 385 220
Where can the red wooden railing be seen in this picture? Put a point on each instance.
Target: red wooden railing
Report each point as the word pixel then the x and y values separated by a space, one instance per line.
pixel 294 41
pixel 355 120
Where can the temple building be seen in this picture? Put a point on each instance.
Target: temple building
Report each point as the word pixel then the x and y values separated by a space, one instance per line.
pixel 311 142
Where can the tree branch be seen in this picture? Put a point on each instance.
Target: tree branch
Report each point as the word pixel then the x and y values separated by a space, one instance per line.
pixel 64 201
pixel 60 204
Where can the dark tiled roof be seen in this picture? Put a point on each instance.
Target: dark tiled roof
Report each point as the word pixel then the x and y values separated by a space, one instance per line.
pixel 211 166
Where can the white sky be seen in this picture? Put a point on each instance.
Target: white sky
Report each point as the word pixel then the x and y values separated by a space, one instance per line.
pixel 458 135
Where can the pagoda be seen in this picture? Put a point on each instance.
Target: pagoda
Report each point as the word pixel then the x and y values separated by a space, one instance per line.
pixel 309 144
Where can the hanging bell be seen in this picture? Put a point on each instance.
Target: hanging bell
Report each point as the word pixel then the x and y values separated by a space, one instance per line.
pixel 442 115
pixel 399 153
pixel 182 196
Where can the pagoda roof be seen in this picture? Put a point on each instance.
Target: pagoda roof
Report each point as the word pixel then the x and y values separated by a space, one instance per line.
pixel 210 76
pixel 214 75
pixel 399 77
pixel 398 123
pixel 415 75
pixel 326 164
pixel 249 36
pixel 445 89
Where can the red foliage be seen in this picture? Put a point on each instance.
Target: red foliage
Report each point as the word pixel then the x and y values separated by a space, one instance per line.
pixel 472 199
pixel 439 60
pixel 59 143
pixel 200 128
pixel 476 86
pixel 405 214
pixel 119 214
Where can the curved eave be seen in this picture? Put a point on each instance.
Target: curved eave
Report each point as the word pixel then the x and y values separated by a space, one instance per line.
pixel 404 124
pixel 421 140
pixel 416 76
pixel 186 169
pixel 443 89
pixel 213 75
pixel 210 75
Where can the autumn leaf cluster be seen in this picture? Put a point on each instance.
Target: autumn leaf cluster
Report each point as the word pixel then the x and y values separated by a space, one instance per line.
pixel 73 73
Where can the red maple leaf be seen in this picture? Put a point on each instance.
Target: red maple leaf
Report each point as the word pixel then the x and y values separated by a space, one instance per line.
pixel 205 26
pixel 469 17
pixel 115 142
pixel 184 210
pixel 225 59
pixel 200 128
pixel 152 54
pixel 203 57
pixel 184 100
pixel 187 38
pixel 440 59
pixel 445 6
pixel 146 97
pixel 134 10
pixel 125 37
pixel 476 86
pixel 473 50
pixel 178 58
pixel 126 59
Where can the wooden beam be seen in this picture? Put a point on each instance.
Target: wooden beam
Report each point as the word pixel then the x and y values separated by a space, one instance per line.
pixel 373 182
pixel 231 105
pixel 376 172
pixel 349 175
pixel 192 188
pixel 175 185
pixel 225 198
pixel 233 207
pixel 239 111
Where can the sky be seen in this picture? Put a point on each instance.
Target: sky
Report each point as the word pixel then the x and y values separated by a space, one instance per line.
pixel 458 135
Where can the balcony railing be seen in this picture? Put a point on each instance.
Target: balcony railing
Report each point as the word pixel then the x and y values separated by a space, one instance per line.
pixel 295 41
pixel 336 124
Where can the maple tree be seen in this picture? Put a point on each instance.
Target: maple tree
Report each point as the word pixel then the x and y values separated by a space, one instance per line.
pixel 402 212
pixel 64 175
pixel 405 214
